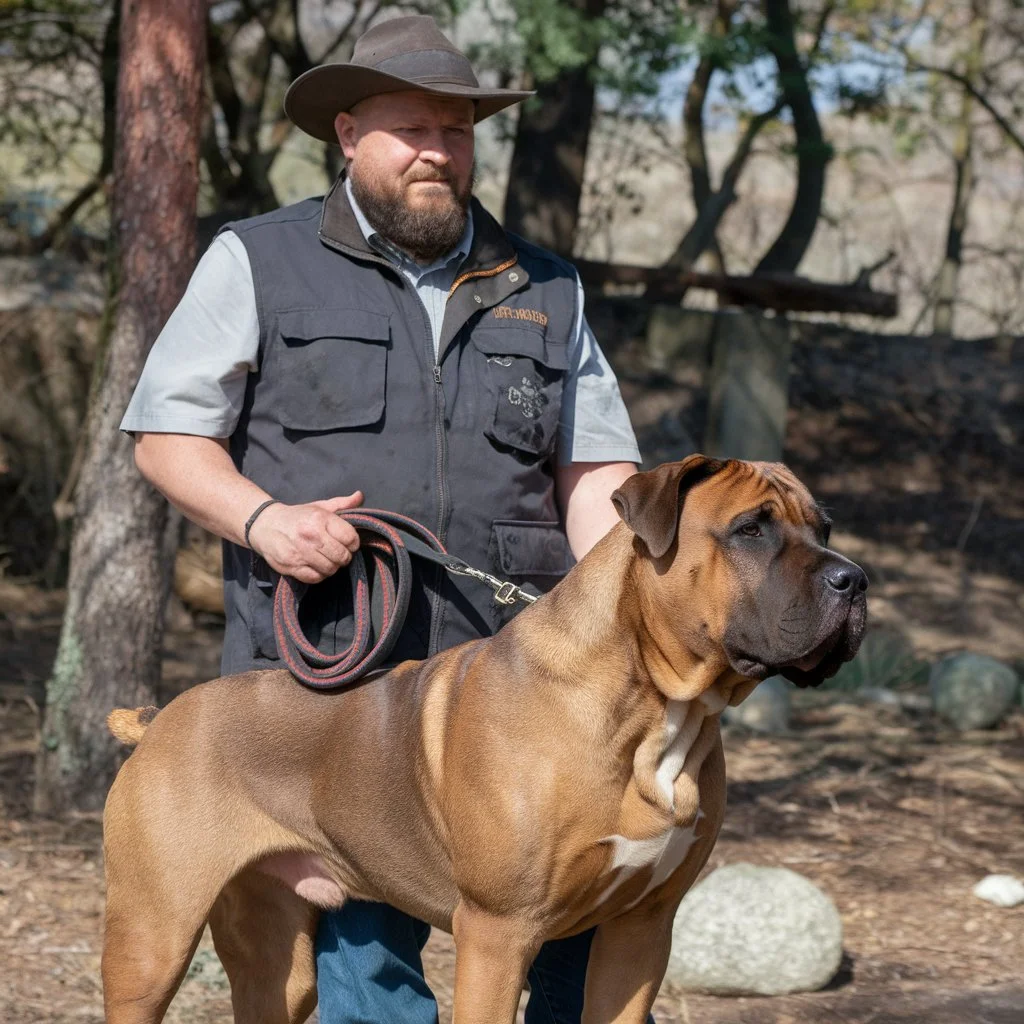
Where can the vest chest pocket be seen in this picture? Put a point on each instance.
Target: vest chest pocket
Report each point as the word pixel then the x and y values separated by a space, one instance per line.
pixel 331 368
pixel 526 375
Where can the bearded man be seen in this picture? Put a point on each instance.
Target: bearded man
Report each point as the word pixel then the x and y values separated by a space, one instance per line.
pixel 389 341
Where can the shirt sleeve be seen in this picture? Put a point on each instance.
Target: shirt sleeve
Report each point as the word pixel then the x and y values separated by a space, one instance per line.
pixel 195 376
pixel 594 424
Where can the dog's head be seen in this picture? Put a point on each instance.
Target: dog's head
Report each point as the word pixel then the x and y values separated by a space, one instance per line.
pixel 743 548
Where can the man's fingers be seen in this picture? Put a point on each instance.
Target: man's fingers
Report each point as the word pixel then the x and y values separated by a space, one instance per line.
pixel 327 556
pixel 344 533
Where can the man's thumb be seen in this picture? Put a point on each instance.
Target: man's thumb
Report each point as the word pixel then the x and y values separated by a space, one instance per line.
pixel 341 503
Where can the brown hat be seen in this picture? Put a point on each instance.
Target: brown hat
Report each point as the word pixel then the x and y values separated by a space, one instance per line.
pixel 403 53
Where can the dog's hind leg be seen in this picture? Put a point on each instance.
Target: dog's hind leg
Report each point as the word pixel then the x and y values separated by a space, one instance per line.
pixel 168 853
pixel 263 933
pixel 153 923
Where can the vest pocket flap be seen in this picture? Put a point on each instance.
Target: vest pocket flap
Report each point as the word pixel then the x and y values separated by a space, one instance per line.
pixel 521 341
pixel 326 376
pixel 531 549
pixel 310 324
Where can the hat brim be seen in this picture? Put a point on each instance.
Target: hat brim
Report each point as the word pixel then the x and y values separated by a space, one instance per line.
pixel 316 98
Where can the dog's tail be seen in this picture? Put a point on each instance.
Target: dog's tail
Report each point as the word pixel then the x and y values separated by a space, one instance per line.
pixel 128 725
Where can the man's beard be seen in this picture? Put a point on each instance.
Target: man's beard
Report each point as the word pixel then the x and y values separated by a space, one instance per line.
pixel 425 232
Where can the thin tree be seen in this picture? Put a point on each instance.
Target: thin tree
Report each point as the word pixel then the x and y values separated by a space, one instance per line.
pixel 545 178
pixel 109 651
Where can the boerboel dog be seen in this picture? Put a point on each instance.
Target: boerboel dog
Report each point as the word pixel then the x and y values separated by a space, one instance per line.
pixel 565 773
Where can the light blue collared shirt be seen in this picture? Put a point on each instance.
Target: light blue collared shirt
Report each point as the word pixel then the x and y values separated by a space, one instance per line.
pixel 432 282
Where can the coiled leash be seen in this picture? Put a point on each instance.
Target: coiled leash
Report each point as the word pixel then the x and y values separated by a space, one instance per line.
pixel 380 602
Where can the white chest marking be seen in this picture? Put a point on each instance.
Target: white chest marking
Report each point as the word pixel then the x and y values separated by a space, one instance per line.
pixel 664 853
pixel 683 720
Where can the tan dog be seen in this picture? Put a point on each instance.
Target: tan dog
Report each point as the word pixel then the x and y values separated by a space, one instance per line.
pixel 565 773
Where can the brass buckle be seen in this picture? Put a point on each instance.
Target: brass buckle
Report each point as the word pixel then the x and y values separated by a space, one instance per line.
pixel 506 593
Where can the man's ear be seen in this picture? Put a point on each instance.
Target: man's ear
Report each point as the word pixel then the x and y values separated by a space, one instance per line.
pixel 650 503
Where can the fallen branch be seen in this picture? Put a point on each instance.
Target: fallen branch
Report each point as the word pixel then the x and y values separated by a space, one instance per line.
pixel 785 293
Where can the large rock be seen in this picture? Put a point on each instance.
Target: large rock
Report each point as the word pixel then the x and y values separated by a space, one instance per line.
pixel 766 709
pixel 747 930
pixel 973 691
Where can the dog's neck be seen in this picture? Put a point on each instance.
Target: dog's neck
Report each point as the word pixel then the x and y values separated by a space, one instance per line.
pixel 590 639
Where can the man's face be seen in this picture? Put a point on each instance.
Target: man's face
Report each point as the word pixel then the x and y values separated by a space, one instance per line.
pixel 410 158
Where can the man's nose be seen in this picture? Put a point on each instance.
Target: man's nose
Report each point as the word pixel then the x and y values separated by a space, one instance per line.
pixel 434 149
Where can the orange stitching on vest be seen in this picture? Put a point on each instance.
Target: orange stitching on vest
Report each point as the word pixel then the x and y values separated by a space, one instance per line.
pixel 482 273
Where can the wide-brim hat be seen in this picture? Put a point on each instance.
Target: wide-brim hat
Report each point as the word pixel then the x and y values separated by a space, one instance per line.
pixel 403 53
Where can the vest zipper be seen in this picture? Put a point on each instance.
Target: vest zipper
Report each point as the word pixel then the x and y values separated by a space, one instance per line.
pixel 443 510
pixel 436 617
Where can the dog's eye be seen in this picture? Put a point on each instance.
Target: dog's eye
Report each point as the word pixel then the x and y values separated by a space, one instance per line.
pixel 750 530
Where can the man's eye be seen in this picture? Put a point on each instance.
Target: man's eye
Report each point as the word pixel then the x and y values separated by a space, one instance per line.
pixel 751 530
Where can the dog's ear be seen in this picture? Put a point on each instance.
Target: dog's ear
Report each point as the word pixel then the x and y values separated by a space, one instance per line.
pixel 650 503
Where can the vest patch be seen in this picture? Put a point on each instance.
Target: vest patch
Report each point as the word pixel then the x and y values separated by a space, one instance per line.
pixel 528 397
pixel 510 313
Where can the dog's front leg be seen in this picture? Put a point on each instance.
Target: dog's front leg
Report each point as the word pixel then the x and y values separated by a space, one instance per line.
pixel 628 959
pixel 492 956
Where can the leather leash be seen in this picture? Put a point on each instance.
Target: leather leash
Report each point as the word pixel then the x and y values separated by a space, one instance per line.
pixel 380 600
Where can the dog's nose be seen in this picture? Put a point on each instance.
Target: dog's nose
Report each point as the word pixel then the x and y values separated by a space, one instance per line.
pixel 846 578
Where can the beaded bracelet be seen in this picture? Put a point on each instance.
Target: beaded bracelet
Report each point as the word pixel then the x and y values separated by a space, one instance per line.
pixel 252 519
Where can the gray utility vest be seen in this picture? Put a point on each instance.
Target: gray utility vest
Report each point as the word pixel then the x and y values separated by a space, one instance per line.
pixel 349 396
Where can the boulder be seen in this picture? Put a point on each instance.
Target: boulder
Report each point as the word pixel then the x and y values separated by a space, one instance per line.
pixel 766 709
pixel 746 930
pixel 972 691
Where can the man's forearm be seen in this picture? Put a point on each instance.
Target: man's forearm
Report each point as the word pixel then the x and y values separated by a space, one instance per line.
pixel 197 476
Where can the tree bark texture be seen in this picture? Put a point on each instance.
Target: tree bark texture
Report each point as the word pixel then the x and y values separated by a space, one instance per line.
pixel 109 650
pixel 545 179
pixel 813 152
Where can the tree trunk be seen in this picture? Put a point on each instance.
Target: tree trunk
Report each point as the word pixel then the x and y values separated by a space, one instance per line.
pixel 963 160
pixel 694 148
pixel 109 651
pixel 949 272
pixel 813 152
pixel 108 78
pixel 546 172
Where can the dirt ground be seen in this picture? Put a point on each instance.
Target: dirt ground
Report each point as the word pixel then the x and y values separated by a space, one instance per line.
pixel 920 458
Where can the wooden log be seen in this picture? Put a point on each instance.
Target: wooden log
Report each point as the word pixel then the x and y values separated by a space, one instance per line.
pixel 786 293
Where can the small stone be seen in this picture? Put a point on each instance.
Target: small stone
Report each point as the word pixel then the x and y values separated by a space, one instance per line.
pixel 880 695
pixel 972 691
pixel 746 930
pixel 766 709
pixel 1002 890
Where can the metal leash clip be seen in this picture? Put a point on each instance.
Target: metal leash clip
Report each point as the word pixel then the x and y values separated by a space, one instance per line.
pixel 505 593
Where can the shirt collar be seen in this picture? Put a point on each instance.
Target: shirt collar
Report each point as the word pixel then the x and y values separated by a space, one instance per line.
pixel 395 255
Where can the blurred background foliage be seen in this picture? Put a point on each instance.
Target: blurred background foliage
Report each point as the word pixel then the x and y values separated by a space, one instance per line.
pixel 767 135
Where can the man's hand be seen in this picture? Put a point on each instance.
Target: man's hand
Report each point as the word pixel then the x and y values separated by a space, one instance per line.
pixel 308 542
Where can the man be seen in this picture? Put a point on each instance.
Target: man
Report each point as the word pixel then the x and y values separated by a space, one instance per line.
pixel 388 341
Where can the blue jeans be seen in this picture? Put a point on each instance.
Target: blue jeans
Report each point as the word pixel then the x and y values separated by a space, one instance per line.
pixel 369 971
